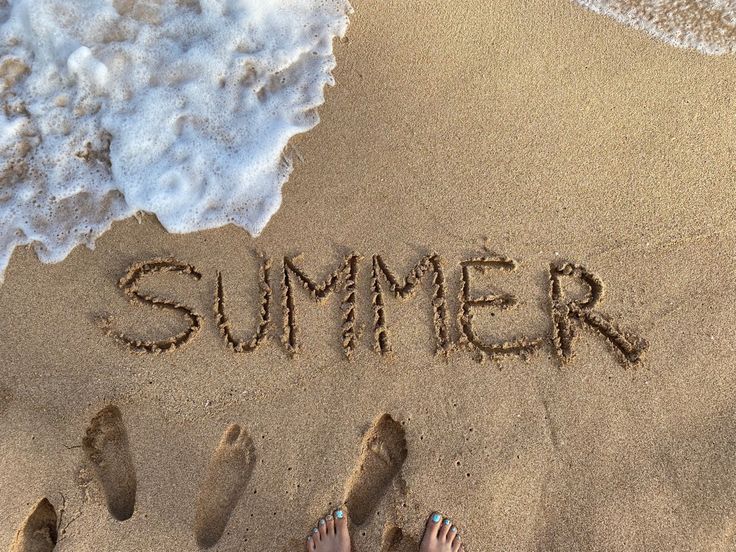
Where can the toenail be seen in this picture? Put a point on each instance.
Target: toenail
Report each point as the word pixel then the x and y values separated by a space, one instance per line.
pixel 447 522
pixel 328 517
pixel 454 529
pixel 309 538
pixel 322 522
pixel 436 517
pixel 315 530
pixel 339 514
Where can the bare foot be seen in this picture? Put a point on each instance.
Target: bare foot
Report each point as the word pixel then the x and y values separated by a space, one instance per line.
pixel 331 534
pixel 440 536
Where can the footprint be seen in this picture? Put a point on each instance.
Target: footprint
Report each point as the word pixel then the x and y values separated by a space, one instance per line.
pixel 394 540
pixel 38 532
pixel 6 397
pixel 227 475
pixel 106 447
pixel 382 454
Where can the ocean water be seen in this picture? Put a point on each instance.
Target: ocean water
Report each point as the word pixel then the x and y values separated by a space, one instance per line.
pixel 708 26
pixel 181 108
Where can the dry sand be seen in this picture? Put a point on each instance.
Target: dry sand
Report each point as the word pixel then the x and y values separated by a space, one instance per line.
pixel 535 130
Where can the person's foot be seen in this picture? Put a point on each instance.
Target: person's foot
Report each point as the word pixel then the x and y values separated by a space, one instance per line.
pixel 331 534
pixel 440 535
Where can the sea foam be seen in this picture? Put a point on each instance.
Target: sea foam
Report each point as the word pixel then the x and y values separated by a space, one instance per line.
pixel 181 108
pixel 708 26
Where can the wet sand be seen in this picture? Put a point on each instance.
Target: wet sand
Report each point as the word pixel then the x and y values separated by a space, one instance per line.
pixel 544 135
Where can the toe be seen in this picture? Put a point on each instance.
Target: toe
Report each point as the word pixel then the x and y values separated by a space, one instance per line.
pixel 330 524
pixel 322 526
pixel 341 521
pixel 310 544
pixel 456 543
pixel 315 535
pixel 444 529
pixel 452 533
pixel 433 526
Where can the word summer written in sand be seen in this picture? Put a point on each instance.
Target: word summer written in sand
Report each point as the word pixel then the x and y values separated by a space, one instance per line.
pixel 567 314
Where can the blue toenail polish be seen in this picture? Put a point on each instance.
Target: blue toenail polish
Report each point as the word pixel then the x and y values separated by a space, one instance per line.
pixel 454 529
pixel 436 517
pixel 309 538
pixel 339 514
pixel 315 530
pixel 446 522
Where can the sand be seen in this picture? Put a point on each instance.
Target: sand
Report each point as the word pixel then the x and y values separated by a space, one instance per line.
pixel 538 133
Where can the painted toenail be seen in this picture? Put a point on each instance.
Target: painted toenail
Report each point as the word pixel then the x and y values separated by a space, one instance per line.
pixel 339 514
pixel 315 530
pixel 446 522
pixel 436 517
pixel 322 522
pixel 328 517
pixel 454 529
pixel 309 538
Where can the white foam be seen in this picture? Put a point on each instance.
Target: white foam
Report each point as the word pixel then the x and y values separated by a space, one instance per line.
pixel 181 108
pixel 708 26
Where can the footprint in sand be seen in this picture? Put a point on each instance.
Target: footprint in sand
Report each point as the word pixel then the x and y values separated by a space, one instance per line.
pixel 106 447
pixel 227 475
pixel 38 532
pixel 382 454
pixel 394 540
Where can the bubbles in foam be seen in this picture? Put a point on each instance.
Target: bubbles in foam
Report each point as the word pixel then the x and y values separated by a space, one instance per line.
pixel 708 26
pixel 181 108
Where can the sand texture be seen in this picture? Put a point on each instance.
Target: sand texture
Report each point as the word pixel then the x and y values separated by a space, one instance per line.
pixel 501 286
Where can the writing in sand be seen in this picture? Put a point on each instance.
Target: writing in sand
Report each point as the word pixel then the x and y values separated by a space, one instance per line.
pixel 567 314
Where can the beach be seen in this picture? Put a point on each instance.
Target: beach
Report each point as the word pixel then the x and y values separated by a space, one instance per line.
pixel 524 137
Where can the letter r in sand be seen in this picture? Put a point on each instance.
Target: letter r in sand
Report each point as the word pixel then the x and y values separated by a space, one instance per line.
pixel 565 310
